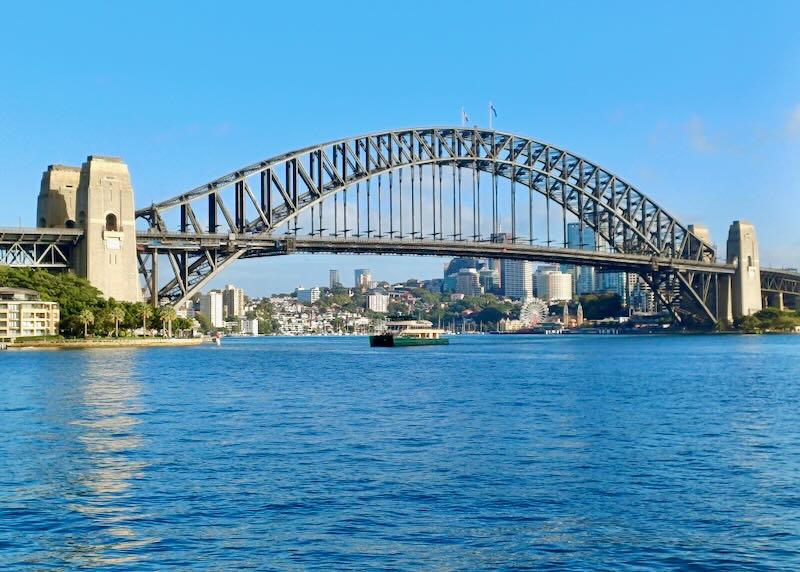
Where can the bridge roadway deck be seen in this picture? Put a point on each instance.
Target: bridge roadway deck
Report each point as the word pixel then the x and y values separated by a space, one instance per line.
pixel 772 279
pixel 12 235
pixel 268 245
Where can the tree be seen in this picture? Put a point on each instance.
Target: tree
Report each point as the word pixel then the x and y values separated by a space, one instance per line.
pixel 86 317
pixel 117 314
pixel 168 315
pixel 145 312
pixel 205 323
pixel 183 324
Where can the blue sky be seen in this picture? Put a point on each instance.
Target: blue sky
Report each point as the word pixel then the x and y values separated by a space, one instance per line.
pixel 697 105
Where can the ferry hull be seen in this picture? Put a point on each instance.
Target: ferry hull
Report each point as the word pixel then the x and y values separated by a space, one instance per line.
pixel 390 341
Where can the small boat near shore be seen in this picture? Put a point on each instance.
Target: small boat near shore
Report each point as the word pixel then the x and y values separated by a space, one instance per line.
pixel 409 333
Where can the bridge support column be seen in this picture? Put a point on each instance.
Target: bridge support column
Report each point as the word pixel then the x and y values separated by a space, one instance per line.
pixel 724 299
pixel 746 284
pixel 774 300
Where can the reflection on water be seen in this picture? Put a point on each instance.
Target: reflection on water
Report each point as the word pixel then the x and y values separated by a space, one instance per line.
pixel 111 399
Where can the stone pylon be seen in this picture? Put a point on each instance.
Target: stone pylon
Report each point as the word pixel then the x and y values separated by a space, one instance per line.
pixel 104 209
pixel 745 285
pixel 58 197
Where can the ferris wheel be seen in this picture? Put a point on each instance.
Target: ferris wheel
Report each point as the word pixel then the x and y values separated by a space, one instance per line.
pixel 534 311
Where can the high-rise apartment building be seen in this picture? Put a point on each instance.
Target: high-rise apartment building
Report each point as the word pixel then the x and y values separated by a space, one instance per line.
pixel 211 306
pixel 334 278
pixel 233 301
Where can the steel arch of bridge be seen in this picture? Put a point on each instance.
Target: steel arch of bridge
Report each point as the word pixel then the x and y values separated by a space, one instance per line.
pixel 266 196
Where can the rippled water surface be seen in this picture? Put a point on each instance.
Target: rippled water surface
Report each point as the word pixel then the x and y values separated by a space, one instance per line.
pixel 503 452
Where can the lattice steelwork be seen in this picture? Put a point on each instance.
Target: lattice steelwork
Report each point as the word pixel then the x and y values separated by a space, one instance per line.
pixel 785 281
pixel 37 247
pixel 396 191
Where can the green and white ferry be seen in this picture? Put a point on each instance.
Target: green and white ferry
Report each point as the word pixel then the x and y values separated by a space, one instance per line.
pixel 409 333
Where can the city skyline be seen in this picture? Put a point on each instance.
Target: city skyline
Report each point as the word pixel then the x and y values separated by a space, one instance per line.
pixel 698 144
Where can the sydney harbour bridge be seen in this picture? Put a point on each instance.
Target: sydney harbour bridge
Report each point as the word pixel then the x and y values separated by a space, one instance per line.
pixel 441 191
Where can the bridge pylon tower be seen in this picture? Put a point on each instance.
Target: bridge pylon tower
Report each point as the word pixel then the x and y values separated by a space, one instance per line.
pixel 96 198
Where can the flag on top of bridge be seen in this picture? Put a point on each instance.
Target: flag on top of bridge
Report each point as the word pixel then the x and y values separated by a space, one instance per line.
pixel 464 118
pixel 492 110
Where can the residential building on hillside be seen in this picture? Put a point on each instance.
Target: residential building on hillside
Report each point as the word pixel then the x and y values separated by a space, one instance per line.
pixel 308 295
pixel 211 306
pixel 378 301
pixel 233 301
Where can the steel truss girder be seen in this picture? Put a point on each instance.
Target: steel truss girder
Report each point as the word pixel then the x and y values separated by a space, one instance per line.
pixel 785 281
pixel 35 255
pixel 296 182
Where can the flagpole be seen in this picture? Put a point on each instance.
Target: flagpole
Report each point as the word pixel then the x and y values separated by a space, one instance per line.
pixel 462 118
pixel 490 114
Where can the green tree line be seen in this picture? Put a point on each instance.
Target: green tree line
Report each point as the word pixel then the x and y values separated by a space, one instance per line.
pixel 83 309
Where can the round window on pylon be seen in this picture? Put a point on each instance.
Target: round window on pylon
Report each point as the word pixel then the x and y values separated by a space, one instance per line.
pixel 111 222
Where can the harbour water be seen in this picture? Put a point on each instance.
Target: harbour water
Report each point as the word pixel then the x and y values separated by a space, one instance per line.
pixel 495 452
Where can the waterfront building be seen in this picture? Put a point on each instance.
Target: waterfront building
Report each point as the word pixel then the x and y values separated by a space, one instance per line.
pixel 468 282
pixel 307 295
pixel 541 279
pixel 248 327
pixel 559 286
pixel 363 278
pixel 233 302
pixel 211 306
pixel 334 281
pixel 517 279
pixel 378 301
pixel 24 313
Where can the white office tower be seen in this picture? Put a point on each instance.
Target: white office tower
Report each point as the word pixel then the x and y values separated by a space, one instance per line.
pixel 559 286
pixel 541 279
pixel 517 279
